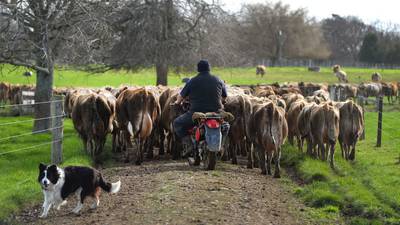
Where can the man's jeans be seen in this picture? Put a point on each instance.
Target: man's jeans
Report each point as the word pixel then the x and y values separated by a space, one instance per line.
pixel 183 123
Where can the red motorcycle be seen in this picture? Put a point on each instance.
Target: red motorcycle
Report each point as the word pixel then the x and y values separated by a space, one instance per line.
pixel 207 138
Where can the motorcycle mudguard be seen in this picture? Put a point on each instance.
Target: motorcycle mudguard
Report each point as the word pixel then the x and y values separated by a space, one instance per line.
pixel 213 139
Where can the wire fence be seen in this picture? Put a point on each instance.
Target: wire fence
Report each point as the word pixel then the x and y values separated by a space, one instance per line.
pixel 56 128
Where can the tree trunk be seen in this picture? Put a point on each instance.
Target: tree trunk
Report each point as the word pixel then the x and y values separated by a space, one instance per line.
pixel 162 74
pixel 43 94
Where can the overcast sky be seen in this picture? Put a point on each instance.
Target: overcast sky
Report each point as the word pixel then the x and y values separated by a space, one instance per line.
pixel 387 11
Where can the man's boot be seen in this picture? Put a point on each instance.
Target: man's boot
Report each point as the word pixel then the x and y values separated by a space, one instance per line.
pixel 187 146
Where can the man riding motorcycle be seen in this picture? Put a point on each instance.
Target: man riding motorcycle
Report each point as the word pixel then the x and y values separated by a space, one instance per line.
pixel 206 93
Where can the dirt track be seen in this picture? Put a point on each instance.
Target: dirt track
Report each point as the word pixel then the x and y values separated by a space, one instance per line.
pixel 171 192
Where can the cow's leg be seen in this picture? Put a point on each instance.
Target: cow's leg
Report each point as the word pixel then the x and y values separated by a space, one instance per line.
pixel 256 159
pixel 243 147
pixel 139 143
pixel 127 146
pixel 249 156
pixel 322 151
pixel 269 162
pixel 290 138
pixel 277 173
pixel 352 155
pixel 261 156
pixel 332 150
pixel 235 148
pixel 161 134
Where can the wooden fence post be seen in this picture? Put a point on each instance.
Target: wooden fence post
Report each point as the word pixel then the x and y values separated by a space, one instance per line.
pixel 57 129
pixel 379 133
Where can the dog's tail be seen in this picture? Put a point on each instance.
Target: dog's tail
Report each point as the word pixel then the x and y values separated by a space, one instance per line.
pixel 110 187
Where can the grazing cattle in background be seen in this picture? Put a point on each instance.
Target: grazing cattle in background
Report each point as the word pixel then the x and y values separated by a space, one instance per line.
pixel 376 77
pixel 269 128
pixel 92 119
pixel 291 117
pixel 324 124
pixel 340 74
pixel 260 70
pixel 351 126
pixel 390 90
pixel 370 89
pixel 136 112
pixel 4 91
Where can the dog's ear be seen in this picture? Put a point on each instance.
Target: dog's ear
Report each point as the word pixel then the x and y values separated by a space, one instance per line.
pixel 42 167
pixel 52 167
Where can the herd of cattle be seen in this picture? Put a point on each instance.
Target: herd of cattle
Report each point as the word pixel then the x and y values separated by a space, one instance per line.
pixel 265 116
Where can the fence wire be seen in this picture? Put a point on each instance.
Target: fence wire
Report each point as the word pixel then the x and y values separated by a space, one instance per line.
pixel 32 120
pixel 24 105
pixel 30 133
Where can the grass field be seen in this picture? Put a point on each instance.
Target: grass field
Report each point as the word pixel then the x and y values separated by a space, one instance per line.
pixel 366 191
pixel 74 78
pixel 19 170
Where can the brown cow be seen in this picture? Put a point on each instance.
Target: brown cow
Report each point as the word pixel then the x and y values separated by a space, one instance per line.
pixel 390 90
pixel 71 97
pixel 351 126
pixel 268 126
pixel 170 112
pixel 291 117
pixel 136 112
pixel 91 118
pixel 260 70
pixel 324 124
pixel 240 107
pixel 4 92
pixel 303 127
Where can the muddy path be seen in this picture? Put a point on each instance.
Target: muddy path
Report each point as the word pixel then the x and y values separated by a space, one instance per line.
pixel 171 192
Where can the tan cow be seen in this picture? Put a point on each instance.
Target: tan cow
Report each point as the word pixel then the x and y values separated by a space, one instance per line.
pixel 260 70
pixel 91 118
pixel 340 74
pixel 303 127
pixel 324 124
pixel 376 77
pixel 291 117
pixel 351 126
pixel 268 126
pixel 136 112
pixel 4 91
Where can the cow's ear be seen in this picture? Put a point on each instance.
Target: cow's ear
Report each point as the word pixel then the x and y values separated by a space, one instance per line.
pixel 42 167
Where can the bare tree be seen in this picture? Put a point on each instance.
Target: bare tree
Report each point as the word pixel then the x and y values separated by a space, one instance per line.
pixel 274 31
pixel 34 31
pixel 160 33
pixel 345 36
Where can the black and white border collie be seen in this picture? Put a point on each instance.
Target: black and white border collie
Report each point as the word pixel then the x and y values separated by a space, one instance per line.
pixel 57 184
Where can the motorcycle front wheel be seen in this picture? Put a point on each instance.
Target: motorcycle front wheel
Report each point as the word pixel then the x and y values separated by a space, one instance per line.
pixel 210 159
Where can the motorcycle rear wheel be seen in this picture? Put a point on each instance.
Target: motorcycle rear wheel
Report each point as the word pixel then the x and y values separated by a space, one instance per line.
pixel 210 160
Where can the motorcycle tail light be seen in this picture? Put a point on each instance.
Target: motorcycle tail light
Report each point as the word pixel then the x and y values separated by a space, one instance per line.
pixel 212 123
pixel 198 134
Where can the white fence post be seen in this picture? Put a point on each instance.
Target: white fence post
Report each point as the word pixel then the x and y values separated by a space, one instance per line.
pixel 57 131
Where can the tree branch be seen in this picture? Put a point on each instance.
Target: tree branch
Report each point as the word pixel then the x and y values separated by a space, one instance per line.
pixel 32 66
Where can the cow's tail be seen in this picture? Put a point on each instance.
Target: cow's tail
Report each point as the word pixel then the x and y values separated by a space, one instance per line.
pixel 144 101
pixel 270 114
pixel 109 187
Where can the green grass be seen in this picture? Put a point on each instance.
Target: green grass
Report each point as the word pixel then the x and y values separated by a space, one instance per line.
pixel 19 170
pixel 75 78
pixel 366 191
